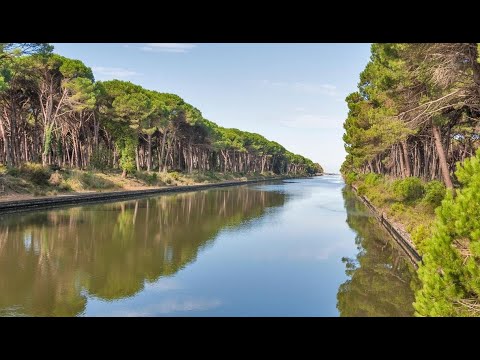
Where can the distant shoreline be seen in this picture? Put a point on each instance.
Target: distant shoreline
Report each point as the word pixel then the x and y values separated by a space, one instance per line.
pixel 33 203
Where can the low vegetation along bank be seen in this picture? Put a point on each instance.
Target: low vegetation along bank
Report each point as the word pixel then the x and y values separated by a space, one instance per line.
pixel 412 138
pixel 36 180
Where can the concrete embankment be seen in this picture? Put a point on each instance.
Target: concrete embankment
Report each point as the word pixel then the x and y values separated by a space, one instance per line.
pixel 400 237
pixel 55 201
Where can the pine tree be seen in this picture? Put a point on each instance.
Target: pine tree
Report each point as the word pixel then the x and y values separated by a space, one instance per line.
pixel 450 272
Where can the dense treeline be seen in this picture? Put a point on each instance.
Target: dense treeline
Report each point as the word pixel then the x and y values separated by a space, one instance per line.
pixel 53 112
pixel 417 115
pixel 416 112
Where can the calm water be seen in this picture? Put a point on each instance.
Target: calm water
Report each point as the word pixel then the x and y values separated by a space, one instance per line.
pixel 294 248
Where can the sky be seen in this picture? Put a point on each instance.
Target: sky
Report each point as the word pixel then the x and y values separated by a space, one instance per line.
pixel 293 94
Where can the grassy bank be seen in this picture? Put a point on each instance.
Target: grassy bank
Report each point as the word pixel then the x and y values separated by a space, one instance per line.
pixel 410 203
pixel 35 180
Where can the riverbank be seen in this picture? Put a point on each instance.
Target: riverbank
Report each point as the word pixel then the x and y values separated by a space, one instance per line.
pixel 395 230
pixel 408 205
pixel 9 204
pixel 33 180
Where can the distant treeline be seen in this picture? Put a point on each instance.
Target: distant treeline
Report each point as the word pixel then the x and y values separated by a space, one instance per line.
pixel 53 112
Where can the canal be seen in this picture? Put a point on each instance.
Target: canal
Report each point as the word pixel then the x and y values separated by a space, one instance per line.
pixel 299 247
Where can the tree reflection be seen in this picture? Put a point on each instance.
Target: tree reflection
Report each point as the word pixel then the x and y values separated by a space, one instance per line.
pixel 51 260
pixel 380 277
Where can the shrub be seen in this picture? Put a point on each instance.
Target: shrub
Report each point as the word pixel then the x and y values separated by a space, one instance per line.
pixel 100 158
pixel 175 175
pixel 91 181
pixel 408 189
pixel 434 193
pixel 36 173
pixel 64 186
pixel 372 179
pixel 149 178
pixel 350 178
pixel 419 234
pixel 55 179
pixel 397 208
pixel 362 190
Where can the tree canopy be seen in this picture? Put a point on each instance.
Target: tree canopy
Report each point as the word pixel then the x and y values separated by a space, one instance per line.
pixel 54 112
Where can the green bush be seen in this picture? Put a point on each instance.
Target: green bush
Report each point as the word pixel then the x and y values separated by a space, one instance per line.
pixel 36 173
pixel 408 189
pixel 87 180
pixel 64 186
pixel 175 175
pixel 100 158
pixel 373 179
pixel 149 178
pixel 434 193
pixel 362 190
pixel 350 178
pixel 419 234
pixel 397 208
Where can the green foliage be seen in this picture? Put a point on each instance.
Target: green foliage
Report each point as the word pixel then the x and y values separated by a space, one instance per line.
pixel 397 208
pixel 408 189
pixel 60 107
pixel 419 235
pixel 362 190
pixel 89 181
pixel 350 178
pixel 150 178
pixel 35 173
pixel 174 175
pixel 450 272
pixel 434 193
pixel 100 158
pixel 373 179
pixel 127 153
pixel 48 140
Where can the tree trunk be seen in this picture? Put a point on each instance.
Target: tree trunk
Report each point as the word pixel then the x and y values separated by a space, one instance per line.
pixel 149 149
pixel 162 164
pixel 406 160
pixel 137 160
pixel 441 156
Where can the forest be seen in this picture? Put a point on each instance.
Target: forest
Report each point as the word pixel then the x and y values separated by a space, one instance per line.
pixel 54 113
pixel 412 139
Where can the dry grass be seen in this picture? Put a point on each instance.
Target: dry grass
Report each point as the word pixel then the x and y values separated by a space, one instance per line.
pixel 17 184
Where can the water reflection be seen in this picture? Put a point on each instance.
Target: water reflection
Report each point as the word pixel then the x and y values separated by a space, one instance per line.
pixel 52 261
pixel 380 277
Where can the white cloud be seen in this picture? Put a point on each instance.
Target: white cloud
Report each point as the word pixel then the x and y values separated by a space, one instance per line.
pixel 303 87
pixel 168 47
pixel 105 72
pixel 311 121
pixel 164 284
pixel 172 306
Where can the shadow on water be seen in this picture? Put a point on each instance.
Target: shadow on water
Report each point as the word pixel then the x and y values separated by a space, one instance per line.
pixel 52 261
pixel 381 278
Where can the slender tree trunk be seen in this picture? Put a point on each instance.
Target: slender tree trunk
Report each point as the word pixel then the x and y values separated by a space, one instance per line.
pixel 406 159
pixel 441 156
pixel 6 145
pixel 162 164
pixel 149 149
pixel 137 160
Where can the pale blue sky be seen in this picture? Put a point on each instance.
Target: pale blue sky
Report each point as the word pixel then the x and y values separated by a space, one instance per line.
pixel 290 93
